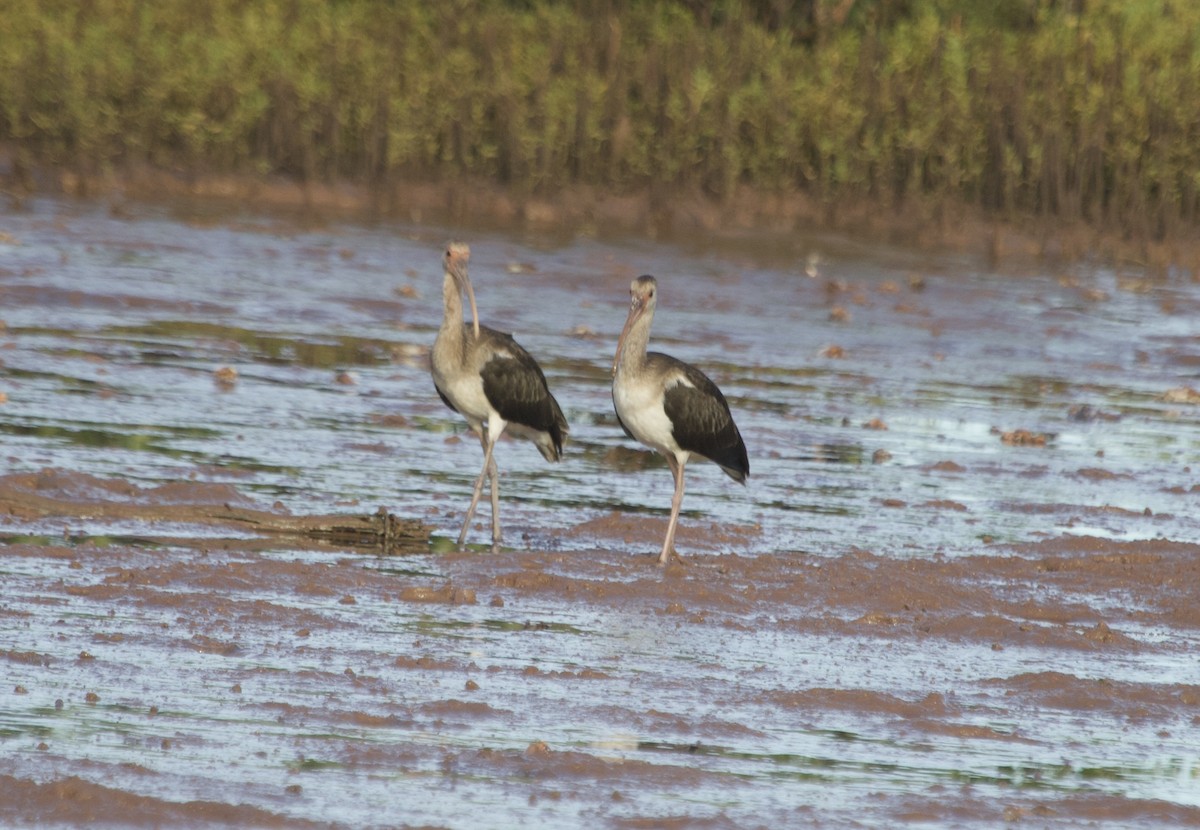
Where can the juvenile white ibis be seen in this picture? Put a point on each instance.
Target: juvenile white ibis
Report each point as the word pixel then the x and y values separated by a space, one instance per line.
pixel 486 377
pixel 671 406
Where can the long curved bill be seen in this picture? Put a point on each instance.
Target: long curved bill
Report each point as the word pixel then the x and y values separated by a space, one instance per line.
pixel 474 310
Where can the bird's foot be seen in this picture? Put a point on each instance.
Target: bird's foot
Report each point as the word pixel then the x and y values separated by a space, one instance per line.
pixel 668 557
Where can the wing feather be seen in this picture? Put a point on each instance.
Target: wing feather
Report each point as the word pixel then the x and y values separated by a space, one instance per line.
pixel 516 387
pixel 702 423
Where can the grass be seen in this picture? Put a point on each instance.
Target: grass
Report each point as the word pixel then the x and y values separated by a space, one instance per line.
pixel 1020 108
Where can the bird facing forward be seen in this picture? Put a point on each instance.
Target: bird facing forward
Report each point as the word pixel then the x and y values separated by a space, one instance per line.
pixel 485 376
pixel 671 406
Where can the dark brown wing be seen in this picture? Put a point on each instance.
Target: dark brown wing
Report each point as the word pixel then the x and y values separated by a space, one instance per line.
pixel 701 420
pixel 516 388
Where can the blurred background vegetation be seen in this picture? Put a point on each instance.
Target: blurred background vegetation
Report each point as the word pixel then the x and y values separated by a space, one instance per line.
pixel 1075 109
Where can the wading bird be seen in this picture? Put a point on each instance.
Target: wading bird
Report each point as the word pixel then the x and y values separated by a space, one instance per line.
pixel 486 377
pixel 671 406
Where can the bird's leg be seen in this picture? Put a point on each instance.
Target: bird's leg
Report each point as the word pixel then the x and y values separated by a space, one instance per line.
pixel 494 475
pixel 488 463
pixel 668 548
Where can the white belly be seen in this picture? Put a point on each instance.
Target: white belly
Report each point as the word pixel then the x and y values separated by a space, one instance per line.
pixel 640 408
pixel 465 391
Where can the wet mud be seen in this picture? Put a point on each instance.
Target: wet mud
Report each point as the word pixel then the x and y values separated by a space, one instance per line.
pixel 906 617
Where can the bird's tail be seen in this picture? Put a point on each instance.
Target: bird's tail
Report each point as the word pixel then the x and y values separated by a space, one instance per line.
pixel 550 443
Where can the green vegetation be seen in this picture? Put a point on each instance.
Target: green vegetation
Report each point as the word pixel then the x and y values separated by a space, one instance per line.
pixel 1082 110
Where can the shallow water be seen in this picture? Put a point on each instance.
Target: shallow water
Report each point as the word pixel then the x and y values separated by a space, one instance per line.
pixel 317 686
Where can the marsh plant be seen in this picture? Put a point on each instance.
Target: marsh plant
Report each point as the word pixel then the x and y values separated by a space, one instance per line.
pixel 1082 110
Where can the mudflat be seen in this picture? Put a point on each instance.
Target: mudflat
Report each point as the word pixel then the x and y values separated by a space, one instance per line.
pixel 960 588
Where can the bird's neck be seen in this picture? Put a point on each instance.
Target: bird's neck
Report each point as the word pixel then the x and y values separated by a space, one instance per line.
pixel 633 350
pixel 452 314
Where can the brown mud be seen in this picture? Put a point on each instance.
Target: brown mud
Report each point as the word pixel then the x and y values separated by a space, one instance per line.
pixel 228 596
pixel 52 495
pixel 657 213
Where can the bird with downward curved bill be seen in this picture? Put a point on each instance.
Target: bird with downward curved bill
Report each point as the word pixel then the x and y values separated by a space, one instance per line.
pixel 485 376
pixel 671 406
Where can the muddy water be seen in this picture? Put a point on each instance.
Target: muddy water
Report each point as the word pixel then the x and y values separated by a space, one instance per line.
pixel 960 587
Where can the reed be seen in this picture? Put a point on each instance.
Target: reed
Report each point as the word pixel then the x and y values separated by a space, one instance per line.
pixel 1036 108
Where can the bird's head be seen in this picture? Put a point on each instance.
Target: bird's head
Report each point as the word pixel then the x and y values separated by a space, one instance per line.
pixel 643 297
pixel 455 260
pixel 643 293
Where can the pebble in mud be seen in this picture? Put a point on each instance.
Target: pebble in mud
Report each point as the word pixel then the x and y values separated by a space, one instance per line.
pixel 445 594
pixel 1085 413
pixel 1181 394
pixel 225 377
pixel 1023 438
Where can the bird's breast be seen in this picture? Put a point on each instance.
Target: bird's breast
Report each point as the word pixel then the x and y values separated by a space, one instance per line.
pixel 455 366
pixel 640 408
pixel 465 391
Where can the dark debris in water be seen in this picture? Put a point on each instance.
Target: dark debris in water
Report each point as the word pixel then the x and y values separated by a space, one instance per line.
pixel 59 495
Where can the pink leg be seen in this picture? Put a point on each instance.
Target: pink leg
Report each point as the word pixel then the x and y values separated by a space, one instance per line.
pixel 488 465
pixel 494 475
pixel 668 548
